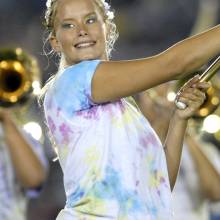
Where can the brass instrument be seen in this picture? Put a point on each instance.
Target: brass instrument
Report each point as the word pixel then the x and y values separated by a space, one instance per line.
pixel 211 71
pixel 19 74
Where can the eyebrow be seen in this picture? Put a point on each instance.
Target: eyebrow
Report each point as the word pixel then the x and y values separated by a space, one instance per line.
pixel 92 13
pixel 89 14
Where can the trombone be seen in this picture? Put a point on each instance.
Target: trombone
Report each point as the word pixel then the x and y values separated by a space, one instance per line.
pixel 19 76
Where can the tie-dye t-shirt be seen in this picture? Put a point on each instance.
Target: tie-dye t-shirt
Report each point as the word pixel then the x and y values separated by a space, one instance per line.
pixel 113 163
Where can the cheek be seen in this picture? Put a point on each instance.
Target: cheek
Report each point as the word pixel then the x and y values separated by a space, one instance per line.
pixel 99 30
pixel 103 30
pixel 65 38
pixel 101 35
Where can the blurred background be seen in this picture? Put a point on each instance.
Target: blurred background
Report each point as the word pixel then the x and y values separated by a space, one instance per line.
pixel 146 27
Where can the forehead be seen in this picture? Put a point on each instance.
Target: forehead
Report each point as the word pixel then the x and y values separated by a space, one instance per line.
pixel 75 8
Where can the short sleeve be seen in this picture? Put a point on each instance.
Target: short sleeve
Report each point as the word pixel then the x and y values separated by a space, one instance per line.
pixel 72 89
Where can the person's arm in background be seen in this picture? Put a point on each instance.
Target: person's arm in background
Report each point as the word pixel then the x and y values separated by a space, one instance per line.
pixel 209 177
pixel 28 168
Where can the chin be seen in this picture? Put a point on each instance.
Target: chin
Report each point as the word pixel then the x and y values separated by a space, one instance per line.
pixel 89 57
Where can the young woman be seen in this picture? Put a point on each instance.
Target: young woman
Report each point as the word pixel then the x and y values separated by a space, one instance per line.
pixel 113 163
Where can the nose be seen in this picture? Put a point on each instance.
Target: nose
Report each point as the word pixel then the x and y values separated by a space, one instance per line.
pixel 82 31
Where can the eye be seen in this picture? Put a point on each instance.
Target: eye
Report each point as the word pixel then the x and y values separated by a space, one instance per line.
pixel 91 20
pixel 68 26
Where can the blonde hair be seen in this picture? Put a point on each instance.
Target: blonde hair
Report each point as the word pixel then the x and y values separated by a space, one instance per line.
pixel 50 15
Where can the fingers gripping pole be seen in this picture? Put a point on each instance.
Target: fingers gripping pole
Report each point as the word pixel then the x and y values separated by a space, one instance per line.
pixel 206 76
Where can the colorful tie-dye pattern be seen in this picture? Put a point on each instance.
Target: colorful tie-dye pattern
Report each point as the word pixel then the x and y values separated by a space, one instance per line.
pixel 113 163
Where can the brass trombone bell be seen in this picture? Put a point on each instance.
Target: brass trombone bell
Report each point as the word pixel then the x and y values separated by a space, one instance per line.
pixel 14 81
pixel 19 77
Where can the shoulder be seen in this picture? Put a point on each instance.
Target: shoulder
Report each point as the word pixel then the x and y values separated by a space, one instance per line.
pixel 78 74
pixel 87 65
pixel 71 89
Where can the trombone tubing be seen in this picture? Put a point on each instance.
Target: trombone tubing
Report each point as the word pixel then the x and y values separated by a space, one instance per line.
pixel 211 70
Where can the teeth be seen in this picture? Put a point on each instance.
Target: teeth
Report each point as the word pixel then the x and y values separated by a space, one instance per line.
pixel 84 45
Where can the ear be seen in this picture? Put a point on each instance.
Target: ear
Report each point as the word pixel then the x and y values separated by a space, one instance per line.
pixel 55 44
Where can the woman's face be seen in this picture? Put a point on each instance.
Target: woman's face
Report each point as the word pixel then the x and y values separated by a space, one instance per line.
pixel 80 31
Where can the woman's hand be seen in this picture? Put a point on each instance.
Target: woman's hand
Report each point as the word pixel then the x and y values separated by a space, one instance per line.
pixel 193 95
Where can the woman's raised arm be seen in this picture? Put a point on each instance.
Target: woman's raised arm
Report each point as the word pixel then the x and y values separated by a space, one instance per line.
pixel 117 79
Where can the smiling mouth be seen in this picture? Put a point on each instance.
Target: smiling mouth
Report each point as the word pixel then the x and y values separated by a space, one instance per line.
pixel 85 44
